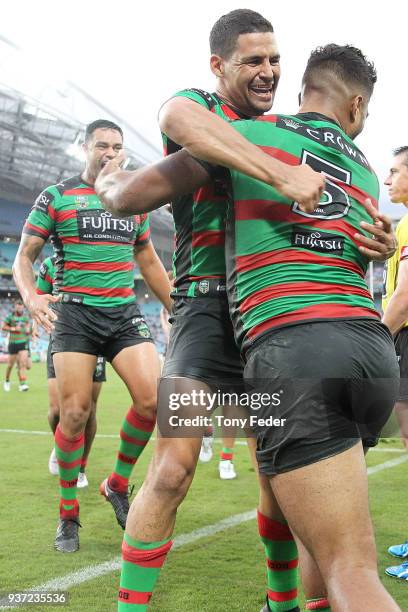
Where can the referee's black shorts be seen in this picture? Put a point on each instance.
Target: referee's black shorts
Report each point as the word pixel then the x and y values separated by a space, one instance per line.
pixel 401 348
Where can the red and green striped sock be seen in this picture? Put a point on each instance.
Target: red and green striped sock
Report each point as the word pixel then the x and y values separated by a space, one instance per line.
pixel 320 603
pixel 209 431
pixel 281 561
pixel 135 433
pixel 141 565
pixel 226 454
pixel 69 455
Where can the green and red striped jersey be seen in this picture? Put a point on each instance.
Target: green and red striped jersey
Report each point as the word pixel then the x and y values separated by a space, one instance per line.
pixel 46 275
pixel 286 266
pixel 22 324
pixel 199 218
pixel 94 250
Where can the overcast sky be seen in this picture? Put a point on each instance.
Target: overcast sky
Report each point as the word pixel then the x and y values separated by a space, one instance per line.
pixel 132 56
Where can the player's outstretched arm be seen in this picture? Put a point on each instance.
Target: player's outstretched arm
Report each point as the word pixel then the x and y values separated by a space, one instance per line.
pixel 396 313
pixel 154 273
pixel 6 327
pixel 206 136
pixel 383 243
pixel 124 193
pixel 23 273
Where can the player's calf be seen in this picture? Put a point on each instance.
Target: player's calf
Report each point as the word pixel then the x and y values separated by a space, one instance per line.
pixel 341 538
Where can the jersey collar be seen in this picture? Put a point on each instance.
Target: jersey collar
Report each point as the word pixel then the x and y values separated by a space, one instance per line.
pixel 317 117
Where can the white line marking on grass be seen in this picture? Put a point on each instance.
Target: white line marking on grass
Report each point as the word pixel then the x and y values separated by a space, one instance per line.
pixel 48 433
pixel 25 431
pixel 387 465
pixel 383 449
pixel 94 571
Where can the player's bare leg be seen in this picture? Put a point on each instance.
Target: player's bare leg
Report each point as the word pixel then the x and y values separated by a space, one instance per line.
pixel 172 467
pixel 226 467
pixel 91 425
pixel 153 512
pixel 334 523
pixel 22 358
pixel 74 373
pixel 251 444
pixel 53 420
pixel 11 360
pixel 312 581
pixel 90 432
pixel 139 368
pixel 53 407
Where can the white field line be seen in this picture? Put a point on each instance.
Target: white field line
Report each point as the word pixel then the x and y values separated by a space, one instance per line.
pixel 48 433
pixel 64 583
pixel 94 571
pixel 216 440
pixel 387 464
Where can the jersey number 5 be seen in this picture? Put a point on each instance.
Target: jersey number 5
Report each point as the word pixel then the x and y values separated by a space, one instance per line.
pixel 335 202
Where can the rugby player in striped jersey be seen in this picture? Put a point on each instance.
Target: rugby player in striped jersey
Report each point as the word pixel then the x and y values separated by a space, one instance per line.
pixel 93 312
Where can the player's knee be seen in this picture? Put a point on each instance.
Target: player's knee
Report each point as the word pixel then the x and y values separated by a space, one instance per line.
pixel 147 407
pixel 74 415
pixel 173 479
pixel 340 551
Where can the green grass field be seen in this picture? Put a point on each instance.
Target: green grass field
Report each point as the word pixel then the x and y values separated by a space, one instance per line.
pixel 217 572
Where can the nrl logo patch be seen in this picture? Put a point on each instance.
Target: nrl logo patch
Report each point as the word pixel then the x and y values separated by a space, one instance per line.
pixel 204 286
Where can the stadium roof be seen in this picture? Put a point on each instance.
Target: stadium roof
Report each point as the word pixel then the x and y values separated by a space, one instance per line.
pixel 39 145
pixel 40 134
pixel 42 124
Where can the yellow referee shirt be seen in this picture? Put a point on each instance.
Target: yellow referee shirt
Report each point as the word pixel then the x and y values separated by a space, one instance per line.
pixel 392 265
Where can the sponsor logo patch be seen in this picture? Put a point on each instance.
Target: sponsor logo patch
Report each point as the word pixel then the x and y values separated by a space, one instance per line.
pixel 322 242
pixel 100 226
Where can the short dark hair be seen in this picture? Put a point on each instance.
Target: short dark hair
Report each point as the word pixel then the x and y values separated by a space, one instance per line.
pixel 101 123
pixel 402 151
pixel 344 61
pixel 225 31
